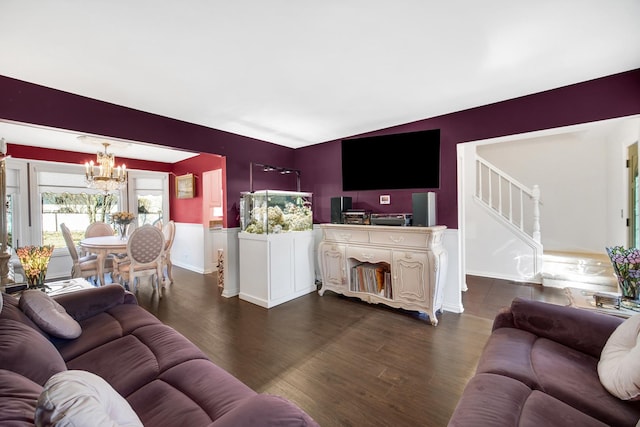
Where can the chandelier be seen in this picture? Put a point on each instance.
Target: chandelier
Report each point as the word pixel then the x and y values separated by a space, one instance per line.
pixel 107 178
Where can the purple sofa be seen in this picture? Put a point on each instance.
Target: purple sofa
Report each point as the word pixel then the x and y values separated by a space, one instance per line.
pixel 165 378
pixel 539 368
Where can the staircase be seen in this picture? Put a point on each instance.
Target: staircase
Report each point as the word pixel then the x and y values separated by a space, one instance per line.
pixel 518 207
pixel 590 271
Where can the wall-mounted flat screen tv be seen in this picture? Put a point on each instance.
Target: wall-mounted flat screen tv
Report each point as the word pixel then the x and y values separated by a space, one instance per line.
pixel 392 162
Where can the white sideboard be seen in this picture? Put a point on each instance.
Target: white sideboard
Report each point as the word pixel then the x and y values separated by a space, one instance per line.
pixel 276 268
pixel 412 258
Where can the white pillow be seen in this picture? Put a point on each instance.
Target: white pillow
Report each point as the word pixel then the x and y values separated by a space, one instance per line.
pixel 619 365
pixel 79 398
pixel 50 316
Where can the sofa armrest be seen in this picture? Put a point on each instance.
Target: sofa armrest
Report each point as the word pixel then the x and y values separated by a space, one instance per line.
pixel 88 302
pixel 583 330
pixel 504 319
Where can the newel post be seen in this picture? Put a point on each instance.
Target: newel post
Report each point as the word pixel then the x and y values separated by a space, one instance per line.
pixel 536 213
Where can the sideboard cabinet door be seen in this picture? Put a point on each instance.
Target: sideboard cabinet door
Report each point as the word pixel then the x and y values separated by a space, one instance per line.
pixel 333 264
pixel 409 277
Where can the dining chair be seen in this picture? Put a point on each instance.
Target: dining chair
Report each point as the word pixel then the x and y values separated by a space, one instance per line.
pixel 169 231
pixel 145 250
pixel 85 266
pixel 98 228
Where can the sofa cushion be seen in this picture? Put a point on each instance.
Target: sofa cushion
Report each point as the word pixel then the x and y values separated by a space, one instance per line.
pixel 50 316
pixel 265 410
pixel 200 391
pixel 555 369
pixel 10 310
pixel 584 330
pixel 491 400
pixel 87 303
pixel 619 365
pixel 18 395
pixel 104 328
pixel 27 352
pixel 80 398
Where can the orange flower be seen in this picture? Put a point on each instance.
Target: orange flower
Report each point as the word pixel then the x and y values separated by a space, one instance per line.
pixel 34 259
pixel 122 217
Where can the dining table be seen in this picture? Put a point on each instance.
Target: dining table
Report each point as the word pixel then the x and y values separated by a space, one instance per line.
pixel 102 246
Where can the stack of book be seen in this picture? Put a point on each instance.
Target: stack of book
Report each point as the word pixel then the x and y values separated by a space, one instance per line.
pixel 371 278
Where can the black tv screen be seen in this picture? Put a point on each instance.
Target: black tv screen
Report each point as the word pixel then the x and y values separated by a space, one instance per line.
pixel 392 162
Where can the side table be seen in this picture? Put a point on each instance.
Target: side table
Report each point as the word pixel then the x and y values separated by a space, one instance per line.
pixel 65 286
pixel 582 298
pixel 56 288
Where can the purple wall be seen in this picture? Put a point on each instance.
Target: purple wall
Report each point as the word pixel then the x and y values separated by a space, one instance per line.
pixel 613 96
pixel 605 98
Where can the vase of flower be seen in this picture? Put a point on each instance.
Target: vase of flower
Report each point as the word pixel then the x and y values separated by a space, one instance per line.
pixel 35 260
pixel 626 265
pixel 35 279
pixel 121 221
pixel 122 230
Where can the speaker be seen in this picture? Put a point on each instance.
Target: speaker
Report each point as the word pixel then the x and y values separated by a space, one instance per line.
pixel 424 209
pixel 339 205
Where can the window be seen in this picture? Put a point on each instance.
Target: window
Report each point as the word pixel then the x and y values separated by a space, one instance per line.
pixel 16 174
pixel 63 197
pixel 149 193
pixel 76 210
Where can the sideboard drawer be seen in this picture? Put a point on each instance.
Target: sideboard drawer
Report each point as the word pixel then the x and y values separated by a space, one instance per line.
pixel 347 236
pixel 368 254
pixel 399 238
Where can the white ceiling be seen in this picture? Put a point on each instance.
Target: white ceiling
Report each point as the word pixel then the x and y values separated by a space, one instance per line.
pixel 20 134
pixel 297 73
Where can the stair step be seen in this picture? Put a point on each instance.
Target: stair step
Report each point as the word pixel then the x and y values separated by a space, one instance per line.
pixel 578 257
pixel 591 271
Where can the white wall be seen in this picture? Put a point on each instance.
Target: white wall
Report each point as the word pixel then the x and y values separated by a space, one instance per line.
pixel 571 172
pixel 188 247
pixel 455 281
pixel 226 239
pixel 494 250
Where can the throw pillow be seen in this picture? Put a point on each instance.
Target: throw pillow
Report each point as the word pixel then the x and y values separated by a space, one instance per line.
pixel 619 365
pixel 50 316
pixel 81 398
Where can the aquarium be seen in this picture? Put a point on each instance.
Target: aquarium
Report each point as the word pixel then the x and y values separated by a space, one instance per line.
pixel 275 211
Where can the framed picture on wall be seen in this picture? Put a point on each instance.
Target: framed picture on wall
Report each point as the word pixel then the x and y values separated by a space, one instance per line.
pixel 185 188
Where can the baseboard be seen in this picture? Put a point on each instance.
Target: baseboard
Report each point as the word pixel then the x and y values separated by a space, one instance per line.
pixel 493 275
pixel 459 308
pixel 190 267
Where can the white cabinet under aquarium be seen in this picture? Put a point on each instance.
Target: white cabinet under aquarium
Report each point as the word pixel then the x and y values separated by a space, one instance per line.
pixel 276 247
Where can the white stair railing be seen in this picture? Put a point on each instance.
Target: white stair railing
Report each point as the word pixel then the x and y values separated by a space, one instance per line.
pixel 512 201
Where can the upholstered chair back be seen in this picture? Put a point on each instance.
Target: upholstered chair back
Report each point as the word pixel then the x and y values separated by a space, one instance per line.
pixel 97 229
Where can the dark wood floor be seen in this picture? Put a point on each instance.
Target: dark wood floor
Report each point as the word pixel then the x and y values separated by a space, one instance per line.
pixel 345 362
